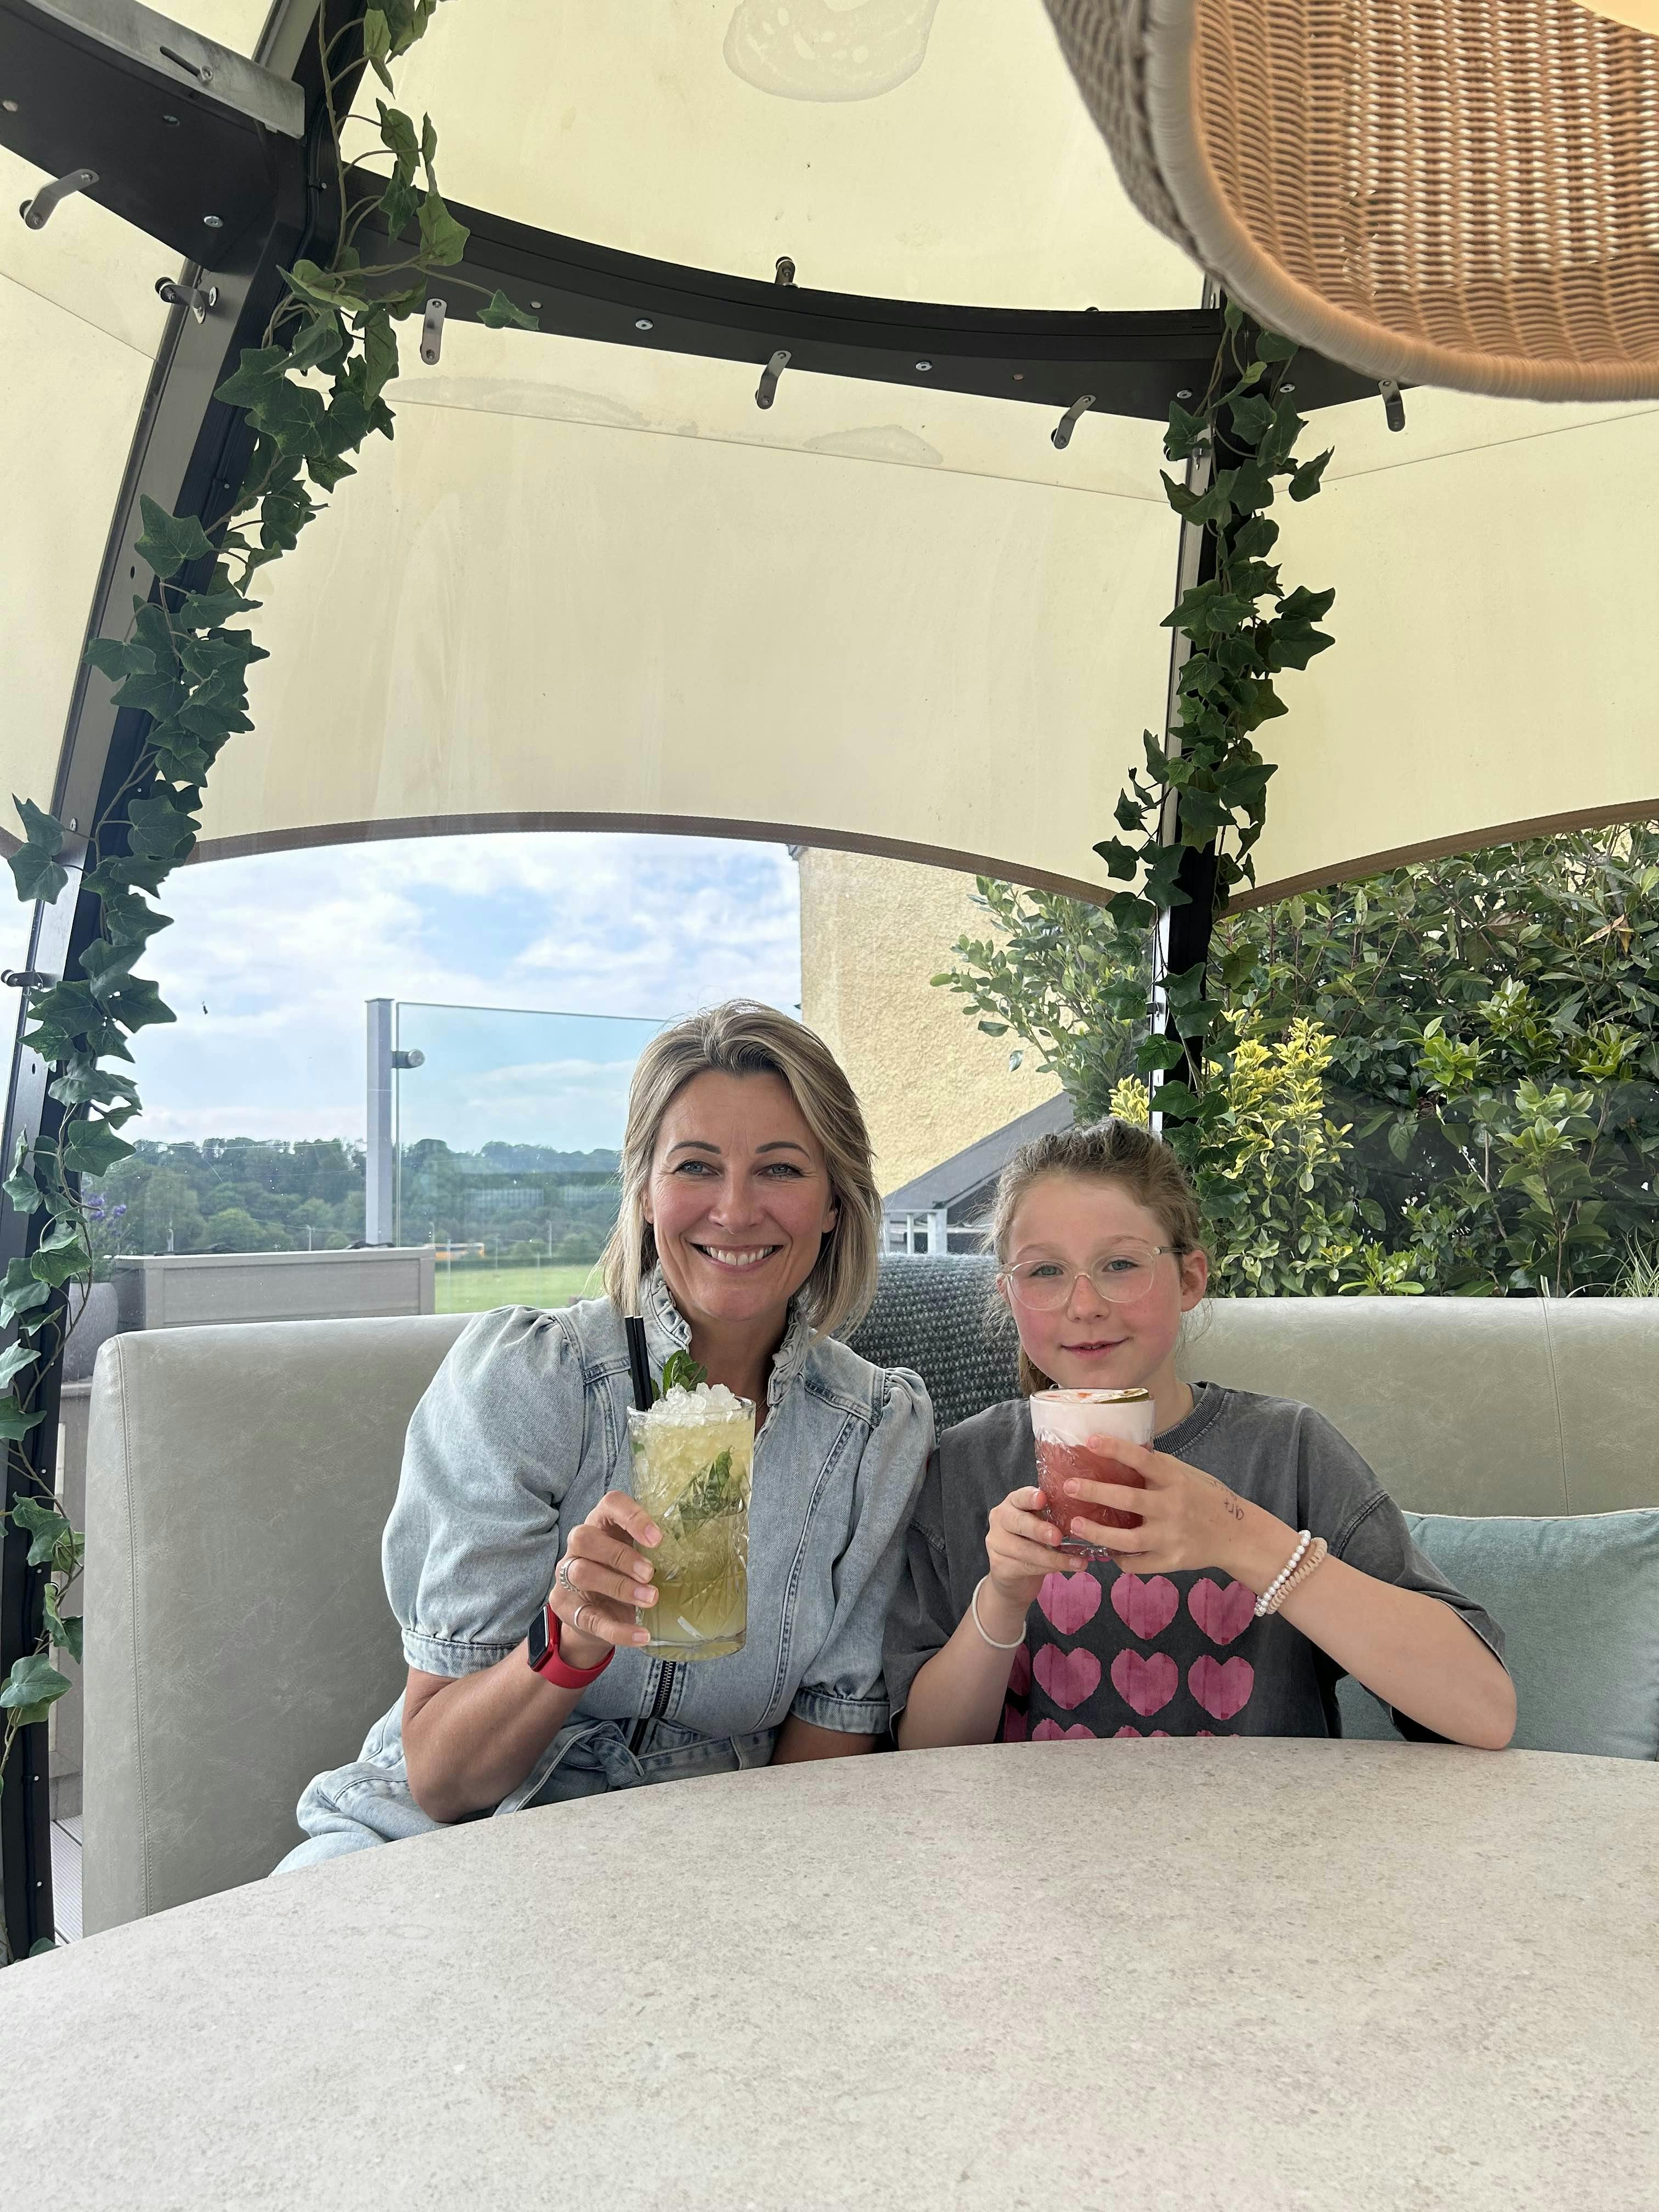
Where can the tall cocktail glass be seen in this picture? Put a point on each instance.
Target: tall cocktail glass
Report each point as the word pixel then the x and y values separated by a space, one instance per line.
pixel 690 1458
pixel 1064 1423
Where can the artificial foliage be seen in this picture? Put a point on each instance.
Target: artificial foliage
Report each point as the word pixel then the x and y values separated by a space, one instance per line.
pixel 313 392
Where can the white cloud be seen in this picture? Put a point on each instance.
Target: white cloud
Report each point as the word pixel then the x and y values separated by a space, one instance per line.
pixel 282 950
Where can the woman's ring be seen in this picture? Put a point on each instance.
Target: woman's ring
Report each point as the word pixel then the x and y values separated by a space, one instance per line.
pixel 562 1577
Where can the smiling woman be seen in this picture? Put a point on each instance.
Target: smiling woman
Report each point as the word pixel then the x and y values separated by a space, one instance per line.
pixel 748 1231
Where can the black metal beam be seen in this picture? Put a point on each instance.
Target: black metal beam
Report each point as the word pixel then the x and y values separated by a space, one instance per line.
pixel 189 454
pixel 1133 364
pixel 182 137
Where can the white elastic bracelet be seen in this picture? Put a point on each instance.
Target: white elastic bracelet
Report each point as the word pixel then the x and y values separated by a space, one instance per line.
pixel 973 1608
pixel 1264 1603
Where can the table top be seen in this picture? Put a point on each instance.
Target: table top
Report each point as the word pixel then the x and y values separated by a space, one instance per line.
pixel 1188 1973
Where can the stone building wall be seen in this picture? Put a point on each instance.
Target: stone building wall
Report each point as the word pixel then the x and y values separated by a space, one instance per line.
pixel 872 933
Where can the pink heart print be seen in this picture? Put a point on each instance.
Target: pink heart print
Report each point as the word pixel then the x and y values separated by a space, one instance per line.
pixel 1221 1690
pixel 1019 1674
pixel 1136 1734
pixel 1013 1724
pixel 1068 1677
pixel 1052 1732
pixel 1070 1602
pixel 1147 1685
pixel 1221 1613
pixel 1145 1608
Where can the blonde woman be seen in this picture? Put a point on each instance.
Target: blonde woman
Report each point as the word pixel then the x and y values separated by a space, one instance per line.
pixel 515 1561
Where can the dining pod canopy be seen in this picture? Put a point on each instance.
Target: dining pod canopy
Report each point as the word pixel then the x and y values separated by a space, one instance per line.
pixel 592 582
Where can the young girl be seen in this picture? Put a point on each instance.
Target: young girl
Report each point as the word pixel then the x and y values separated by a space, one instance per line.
pixel 1099 1248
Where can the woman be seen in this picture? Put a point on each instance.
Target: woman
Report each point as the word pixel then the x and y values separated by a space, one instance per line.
pixel 747 1232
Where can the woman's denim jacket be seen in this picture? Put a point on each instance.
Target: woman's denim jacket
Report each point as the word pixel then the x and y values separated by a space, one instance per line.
pixel 523 1430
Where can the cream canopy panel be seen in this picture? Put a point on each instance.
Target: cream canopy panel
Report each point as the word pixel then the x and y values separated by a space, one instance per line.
pixel 1486 679
pixel 79 326
pixel 513 621
pixel 921 149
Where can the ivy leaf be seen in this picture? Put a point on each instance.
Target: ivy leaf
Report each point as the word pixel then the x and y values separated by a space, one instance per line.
pixel 429 151
pixel 1269 346
pixel 1122 862
pixel 1185 435
pixel 1158 1054
pixel 398 136
pixel 327 470
pixel 156 694
pixel 104 964
pixel 258 372
pixel 92 1148
pixel 60 1254
pixel 20 1187
pixel 36 875
pixel 14 1359
pixel 160 828
pixel 377 45
pixel 443 241
pixel 501 314
pixel 16 1423
pixel 400 203
pixel 213 610
pixel 136 1005
pixel 380 355
pixel 42 830
pixel 66 1630
pixel 90 1086
pixel 169 540
pixel 1306 480
pixel 117 658
pixel 1252 417
pixel 31 1689
pixel 325 287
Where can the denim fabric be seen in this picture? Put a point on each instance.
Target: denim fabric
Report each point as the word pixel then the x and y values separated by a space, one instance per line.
pixel 523 1430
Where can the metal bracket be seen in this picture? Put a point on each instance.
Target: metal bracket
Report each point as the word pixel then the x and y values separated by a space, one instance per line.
pixel 785 270
pixel 37 212
pixel 26 979
pixel 1061 435
pixel 199 299
pixel 432 332
pixel 414 1057
pixel 767 390
pixel 1393 405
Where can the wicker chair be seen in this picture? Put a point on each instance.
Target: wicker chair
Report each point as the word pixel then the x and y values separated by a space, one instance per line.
pixel 1460 192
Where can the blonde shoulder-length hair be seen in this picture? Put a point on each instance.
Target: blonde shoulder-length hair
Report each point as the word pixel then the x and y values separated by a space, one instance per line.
pixel 742 1038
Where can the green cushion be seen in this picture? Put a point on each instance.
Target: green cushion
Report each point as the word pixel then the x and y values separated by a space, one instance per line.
pixel 1577 1599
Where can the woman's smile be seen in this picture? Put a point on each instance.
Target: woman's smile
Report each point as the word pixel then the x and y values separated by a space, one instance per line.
pixel 738 1258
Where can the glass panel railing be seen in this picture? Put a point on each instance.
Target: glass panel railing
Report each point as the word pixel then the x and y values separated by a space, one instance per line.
pixel 508 1132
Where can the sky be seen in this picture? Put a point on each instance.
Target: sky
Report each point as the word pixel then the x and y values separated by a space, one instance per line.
pixel 270 961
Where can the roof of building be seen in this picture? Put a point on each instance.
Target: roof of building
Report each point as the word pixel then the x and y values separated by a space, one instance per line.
pixel 968 1173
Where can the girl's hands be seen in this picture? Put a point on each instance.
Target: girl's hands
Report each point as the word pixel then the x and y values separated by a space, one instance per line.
pixel 1022 1549
pixel 602 1577
pixel 1187 1518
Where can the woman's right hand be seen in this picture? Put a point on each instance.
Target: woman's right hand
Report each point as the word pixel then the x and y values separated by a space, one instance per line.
pixel 1021 1547
pixel 602 1577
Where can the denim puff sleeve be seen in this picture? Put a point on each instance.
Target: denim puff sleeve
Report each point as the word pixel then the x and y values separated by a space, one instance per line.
pixel 843 1687
pixel 474 1537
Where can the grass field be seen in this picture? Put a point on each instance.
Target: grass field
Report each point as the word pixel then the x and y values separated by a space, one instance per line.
pixel 474 1289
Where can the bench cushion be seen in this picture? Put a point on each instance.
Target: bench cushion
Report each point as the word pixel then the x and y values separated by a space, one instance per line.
pixel 1578 1601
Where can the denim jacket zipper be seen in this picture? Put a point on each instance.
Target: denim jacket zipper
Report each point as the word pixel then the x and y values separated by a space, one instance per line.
pixel 665 1679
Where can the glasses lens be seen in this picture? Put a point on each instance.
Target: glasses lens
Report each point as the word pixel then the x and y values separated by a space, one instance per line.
pixel 1042 1285
pixel 1124 1274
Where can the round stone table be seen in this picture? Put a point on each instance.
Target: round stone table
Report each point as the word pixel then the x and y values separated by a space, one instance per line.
pixel 1186 1974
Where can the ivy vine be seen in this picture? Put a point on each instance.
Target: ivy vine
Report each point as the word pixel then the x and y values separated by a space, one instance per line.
pixel 1244 629
pixel 313 392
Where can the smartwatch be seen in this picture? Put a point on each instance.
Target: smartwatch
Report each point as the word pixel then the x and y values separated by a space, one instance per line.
pixel 544 1658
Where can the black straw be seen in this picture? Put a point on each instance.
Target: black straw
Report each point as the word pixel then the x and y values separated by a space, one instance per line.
pixel 639 1361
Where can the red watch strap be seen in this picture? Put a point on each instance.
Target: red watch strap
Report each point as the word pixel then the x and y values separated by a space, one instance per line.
pixel 553 1669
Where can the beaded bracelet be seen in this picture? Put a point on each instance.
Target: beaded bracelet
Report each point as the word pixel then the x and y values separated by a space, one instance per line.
pixel 973 1608
pixel 1267 1602
pixel 1318 1552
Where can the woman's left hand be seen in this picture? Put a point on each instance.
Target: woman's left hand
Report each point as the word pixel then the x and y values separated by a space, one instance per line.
pixel 1187 1518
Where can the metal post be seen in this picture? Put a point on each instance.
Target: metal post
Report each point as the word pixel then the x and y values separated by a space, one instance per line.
pixel 378 1191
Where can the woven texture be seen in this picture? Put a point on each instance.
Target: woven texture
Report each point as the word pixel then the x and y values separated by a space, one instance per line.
pixel 1461 192
pixel 932 1315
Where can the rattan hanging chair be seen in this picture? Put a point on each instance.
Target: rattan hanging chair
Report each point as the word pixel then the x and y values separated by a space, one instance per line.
pixel 1461 192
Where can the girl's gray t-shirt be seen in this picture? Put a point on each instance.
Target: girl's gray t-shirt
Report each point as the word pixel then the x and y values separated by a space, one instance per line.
pixel 1108 1652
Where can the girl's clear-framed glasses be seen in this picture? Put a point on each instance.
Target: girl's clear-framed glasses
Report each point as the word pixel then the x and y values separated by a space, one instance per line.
pixel 1123 1275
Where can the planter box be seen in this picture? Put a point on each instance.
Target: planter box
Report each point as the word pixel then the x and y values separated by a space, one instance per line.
pixel 207 1290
